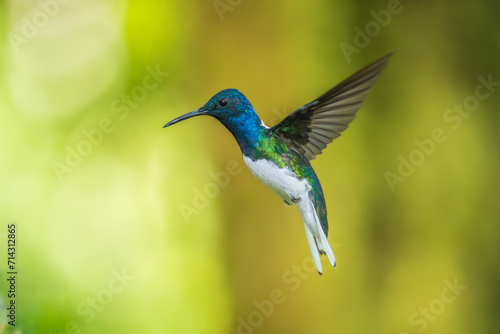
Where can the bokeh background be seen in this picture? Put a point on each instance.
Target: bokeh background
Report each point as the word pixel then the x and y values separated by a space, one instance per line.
pixel 125 227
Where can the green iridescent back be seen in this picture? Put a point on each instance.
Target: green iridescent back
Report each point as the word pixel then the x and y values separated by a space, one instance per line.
pixel 271 147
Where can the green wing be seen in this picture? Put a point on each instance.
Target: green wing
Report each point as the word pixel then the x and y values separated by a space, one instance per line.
pixel 311 127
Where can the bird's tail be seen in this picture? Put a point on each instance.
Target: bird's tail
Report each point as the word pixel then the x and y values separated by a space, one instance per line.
pixel 318 244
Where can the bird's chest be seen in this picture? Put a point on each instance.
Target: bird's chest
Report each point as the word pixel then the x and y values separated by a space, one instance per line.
pixel 280 179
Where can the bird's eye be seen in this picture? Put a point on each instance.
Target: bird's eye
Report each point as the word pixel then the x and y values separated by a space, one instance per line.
pixel 222 102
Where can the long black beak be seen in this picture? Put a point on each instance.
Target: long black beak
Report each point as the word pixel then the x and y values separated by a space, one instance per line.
pixel 198 112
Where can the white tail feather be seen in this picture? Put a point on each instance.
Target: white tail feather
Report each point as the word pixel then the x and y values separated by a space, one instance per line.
pixel 314 249
pixel 316 238
pixel 327 249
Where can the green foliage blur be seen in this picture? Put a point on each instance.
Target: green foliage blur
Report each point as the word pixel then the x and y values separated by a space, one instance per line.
pixel 125 227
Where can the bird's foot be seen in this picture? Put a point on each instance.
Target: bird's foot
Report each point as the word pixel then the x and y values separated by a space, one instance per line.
pixel 292 200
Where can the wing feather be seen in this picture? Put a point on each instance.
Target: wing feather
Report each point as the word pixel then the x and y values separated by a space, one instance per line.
pixel 313 126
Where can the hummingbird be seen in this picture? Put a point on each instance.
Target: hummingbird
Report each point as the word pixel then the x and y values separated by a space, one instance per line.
pixel 279 156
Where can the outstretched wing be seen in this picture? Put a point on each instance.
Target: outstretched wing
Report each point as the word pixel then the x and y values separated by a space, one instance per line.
pixel 311 127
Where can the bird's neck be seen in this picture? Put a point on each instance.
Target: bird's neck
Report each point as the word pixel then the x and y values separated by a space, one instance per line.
pixel 247 131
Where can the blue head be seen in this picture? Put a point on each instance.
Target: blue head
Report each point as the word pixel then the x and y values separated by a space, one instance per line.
pixel 233 110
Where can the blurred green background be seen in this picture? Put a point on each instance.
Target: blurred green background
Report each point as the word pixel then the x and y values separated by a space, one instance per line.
pixel 125 227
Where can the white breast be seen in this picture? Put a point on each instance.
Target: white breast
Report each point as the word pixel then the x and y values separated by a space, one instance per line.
pixel 281 180
pixel 287 185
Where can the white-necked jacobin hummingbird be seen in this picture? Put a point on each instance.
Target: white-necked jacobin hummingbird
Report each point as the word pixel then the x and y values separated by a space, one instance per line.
pixel 279 156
